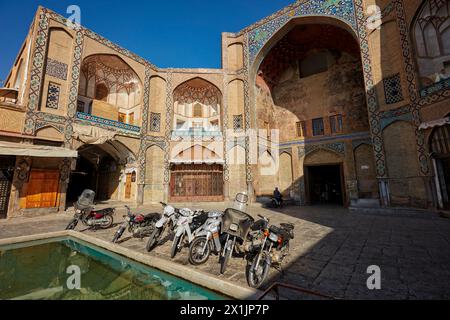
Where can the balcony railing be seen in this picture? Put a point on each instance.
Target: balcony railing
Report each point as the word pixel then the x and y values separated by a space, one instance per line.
pixel 196 132
pixel 108 122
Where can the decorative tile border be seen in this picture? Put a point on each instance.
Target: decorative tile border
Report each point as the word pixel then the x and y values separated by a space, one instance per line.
pixel 107 122
pixel 435 88
pixel 371 95
pixel 247 108
pixel 168 133
pixel 142 159
pixel 43 124
pixel 37 72
pixel 226 168
pixel 74 84
pixel 410 71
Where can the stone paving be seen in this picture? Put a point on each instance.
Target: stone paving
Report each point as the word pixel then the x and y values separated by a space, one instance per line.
pixel 330 254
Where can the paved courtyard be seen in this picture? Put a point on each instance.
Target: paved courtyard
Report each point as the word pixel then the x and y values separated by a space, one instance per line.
pixel 330 254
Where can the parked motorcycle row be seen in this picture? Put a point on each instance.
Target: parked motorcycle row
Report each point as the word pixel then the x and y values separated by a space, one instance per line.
pixel 225 234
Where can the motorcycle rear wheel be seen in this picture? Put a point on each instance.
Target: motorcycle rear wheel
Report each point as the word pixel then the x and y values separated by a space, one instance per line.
pixel 196 258
pixel 72 224
pixel 108 224
pixel 154 237
pixel 228 251
pixel 257 274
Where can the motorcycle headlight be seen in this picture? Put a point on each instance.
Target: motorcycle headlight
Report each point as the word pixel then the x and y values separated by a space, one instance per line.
pixel 273 237
pixel 234 227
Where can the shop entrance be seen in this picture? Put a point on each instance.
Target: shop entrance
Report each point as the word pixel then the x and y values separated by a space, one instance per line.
pixel 325 184
pixel 95 170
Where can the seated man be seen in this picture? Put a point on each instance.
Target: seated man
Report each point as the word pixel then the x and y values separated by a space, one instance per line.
pixel 278 196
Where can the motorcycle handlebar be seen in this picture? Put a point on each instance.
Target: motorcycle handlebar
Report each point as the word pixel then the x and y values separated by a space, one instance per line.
pixel 264 218
pixel 163 204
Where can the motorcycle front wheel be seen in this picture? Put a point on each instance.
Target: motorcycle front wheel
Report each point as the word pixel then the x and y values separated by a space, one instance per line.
pixel 199 245
pixel 118 235
pixel 228 251
pixel 154 237
pixel 175 244
pixel 258 273
pixel 72 224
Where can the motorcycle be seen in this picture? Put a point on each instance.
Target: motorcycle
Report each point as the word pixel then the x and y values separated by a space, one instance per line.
pixel 138 225
pixel 239 230
pixel 269 251
pixel 187 224
pixel 276 203
pixel 207 239
pixel 168 219
pixel 84 212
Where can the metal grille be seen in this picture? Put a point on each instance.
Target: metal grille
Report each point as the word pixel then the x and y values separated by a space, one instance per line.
pixel 393 89
pixel 155 122
pixel 238 123
pixel 53 95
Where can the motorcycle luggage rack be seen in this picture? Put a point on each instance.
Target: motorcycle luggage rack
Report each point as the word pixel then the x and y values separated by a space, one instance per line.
pixel 276 288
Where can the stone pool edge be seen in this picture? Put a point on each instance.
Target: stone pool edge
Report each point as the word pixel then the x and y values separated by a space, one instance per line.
pixel 197 277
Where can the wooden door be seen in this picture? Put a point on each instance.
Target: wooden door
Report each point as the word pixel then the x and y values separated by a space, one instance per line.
pixel 128 187
pixel 193 183
pixel 42 190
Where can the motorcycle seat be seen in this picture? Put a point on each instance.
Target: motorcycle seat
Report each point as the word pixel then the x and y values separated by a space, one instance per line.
pixel 287 226
pixel 103 212
pixel 199 221
pixel 152 216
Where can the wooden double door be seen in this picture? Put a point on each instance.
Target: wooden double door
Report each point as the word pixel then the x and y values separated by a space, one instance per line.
pixel 193 183
pixel 42 189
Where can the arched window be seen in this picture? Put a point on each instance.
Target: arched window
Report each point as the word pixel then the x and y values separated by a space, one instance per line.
pixel 198 111
pixel 431 30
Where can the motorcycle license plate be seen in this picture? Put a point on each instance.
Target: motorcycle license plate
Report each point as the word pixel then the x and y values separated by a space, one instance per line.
pixel 234 227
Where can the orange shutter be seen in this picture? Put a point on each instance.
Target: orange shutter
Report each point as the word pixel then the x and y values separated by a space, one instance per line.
pixel 42 191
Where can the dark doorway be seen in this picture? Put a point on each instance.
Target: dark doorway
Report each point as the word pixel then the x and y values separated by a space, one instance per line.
pixel 325 184
pixel 443 169
pixel 95 170
pixel 440 149
pixel 6 176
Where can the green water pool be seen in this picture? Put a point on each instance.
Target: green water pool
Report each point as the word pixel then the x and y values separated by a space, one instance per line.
pixel 43 270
